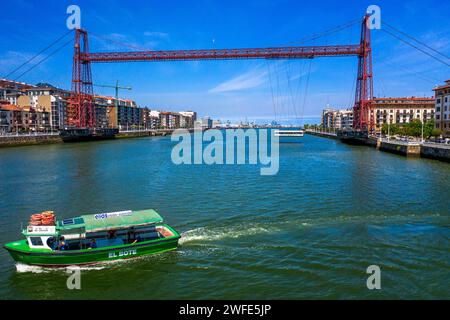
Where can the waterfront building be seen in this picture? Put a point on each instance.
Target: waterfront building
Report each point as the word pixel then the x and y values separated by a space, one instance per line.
pixel 5 120
pixel 204 123
pixel 15 118
pixel 145 117
pixel 170 120
pixel 11 90
pixel 49 99
pixel 154 120
pixel 326 119
pixel 337 119
pixel 120 113
pixel 442 108
pixel 187 119
pixel 399 111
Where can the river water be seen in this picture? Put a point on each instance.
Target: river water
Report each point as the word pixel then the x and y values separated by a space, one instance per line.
pixel 310 231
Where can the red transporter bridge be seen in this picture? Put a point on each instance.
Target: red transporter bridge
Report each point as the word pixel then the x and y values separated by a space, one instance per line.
pixel 81 112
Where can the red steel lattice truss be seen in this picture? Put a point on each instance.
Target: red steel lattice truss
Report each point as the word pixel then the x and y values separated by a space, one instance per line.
pixel 81 111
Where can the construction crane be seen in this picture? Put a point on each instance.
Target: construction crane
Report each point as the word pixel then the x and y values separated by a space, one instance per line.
pixel 117 87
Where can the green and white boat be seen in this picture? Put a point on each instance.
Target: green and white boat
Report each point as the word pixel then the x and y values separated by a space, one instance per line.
pixel 95 238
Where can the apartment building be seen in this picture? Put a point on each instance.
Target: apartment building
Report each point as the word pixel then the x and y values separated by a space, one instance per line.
pixel 337 119
pixel 399 111
pixel 204 123
pixel 14 118
pixel 49 99
pixel 442 108
pixel 11 90
pixel 187 119
pixel 169 120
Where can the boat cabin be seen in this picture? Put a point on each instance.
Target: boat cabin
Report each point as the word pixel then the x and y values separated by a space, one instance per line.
pixel 98 231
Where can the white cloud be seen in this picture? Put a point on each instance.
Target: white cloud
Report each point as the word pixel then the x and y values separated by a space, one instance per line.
pixel 280 72
pixel 248 80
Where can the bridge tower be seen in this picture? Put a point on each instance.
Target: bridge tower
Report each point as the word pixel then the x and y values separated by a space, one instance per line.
pixel 80 109
pixel 364 84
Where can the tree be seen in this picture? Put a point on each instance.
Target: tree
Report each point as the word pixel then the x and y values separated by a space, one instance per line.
pixel 413 128
pixel 436 132
pixel 428 128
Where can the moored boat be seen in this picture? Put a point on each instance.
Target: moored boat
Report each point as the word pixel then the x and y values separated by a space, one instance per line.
pixel 94 238
pixel 86 134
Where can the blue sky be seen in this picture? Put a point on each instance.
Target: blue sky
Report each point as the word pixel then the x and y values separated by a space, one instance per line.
pixel 254 89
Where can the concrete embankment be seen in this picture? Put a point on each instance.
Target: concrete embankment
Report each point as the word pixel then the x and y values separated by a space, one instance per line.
pixel 322 134
pixel 28 140
pixel 402 148
pixel 435 152
pixel 146 133
pixel 409 149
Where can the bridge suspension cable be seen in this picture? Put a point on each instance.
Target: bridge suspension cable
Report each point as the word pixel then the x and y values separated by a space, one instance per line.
pixel 44 59
pixel 416 40
pixel 416 47
pixel 37 55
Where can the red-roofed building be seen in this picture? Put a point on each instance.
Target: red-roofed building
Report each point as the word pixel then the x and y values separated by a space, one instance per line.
pixel 15 118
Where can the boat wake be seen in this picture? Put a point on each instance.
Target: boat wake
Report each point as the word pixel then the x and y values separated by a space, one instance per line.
pixel 24 268
pixel 204 234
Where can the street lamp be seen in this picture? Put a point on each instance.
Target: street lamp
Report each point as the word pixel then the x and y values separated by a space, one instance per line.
pixel 389 128
pixel 423 120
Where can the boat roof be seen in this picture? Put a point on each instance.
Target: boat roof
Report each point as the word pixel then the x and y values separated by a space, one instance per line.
pixel 111 220
pixel 120 220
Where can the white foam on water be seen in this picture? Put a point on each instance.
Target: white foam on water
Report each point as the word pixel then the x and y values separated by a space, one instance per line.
pixel 23 268
pixel 204 234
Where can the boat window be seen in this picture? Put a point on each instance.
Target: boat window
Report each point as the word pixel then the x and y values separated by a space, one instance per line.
pixel 51 242
pixel 36 241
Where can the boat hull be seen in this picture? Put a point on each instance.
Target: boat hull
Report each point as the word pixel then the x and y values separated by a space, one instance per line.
pixel 353 137
pixel 92 256
pixel 289 136
pixel 83 134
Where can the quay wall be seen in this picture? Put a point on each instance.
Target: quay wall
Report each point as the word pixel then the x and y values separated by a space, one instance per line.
pixel 405 149
pixel 322 134
pixel 15 141
pixel 435 152
pixel 138 134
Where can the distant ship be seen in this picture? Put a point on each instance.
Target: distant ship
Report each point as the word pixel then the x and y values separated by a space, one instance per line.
pixel 87 134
